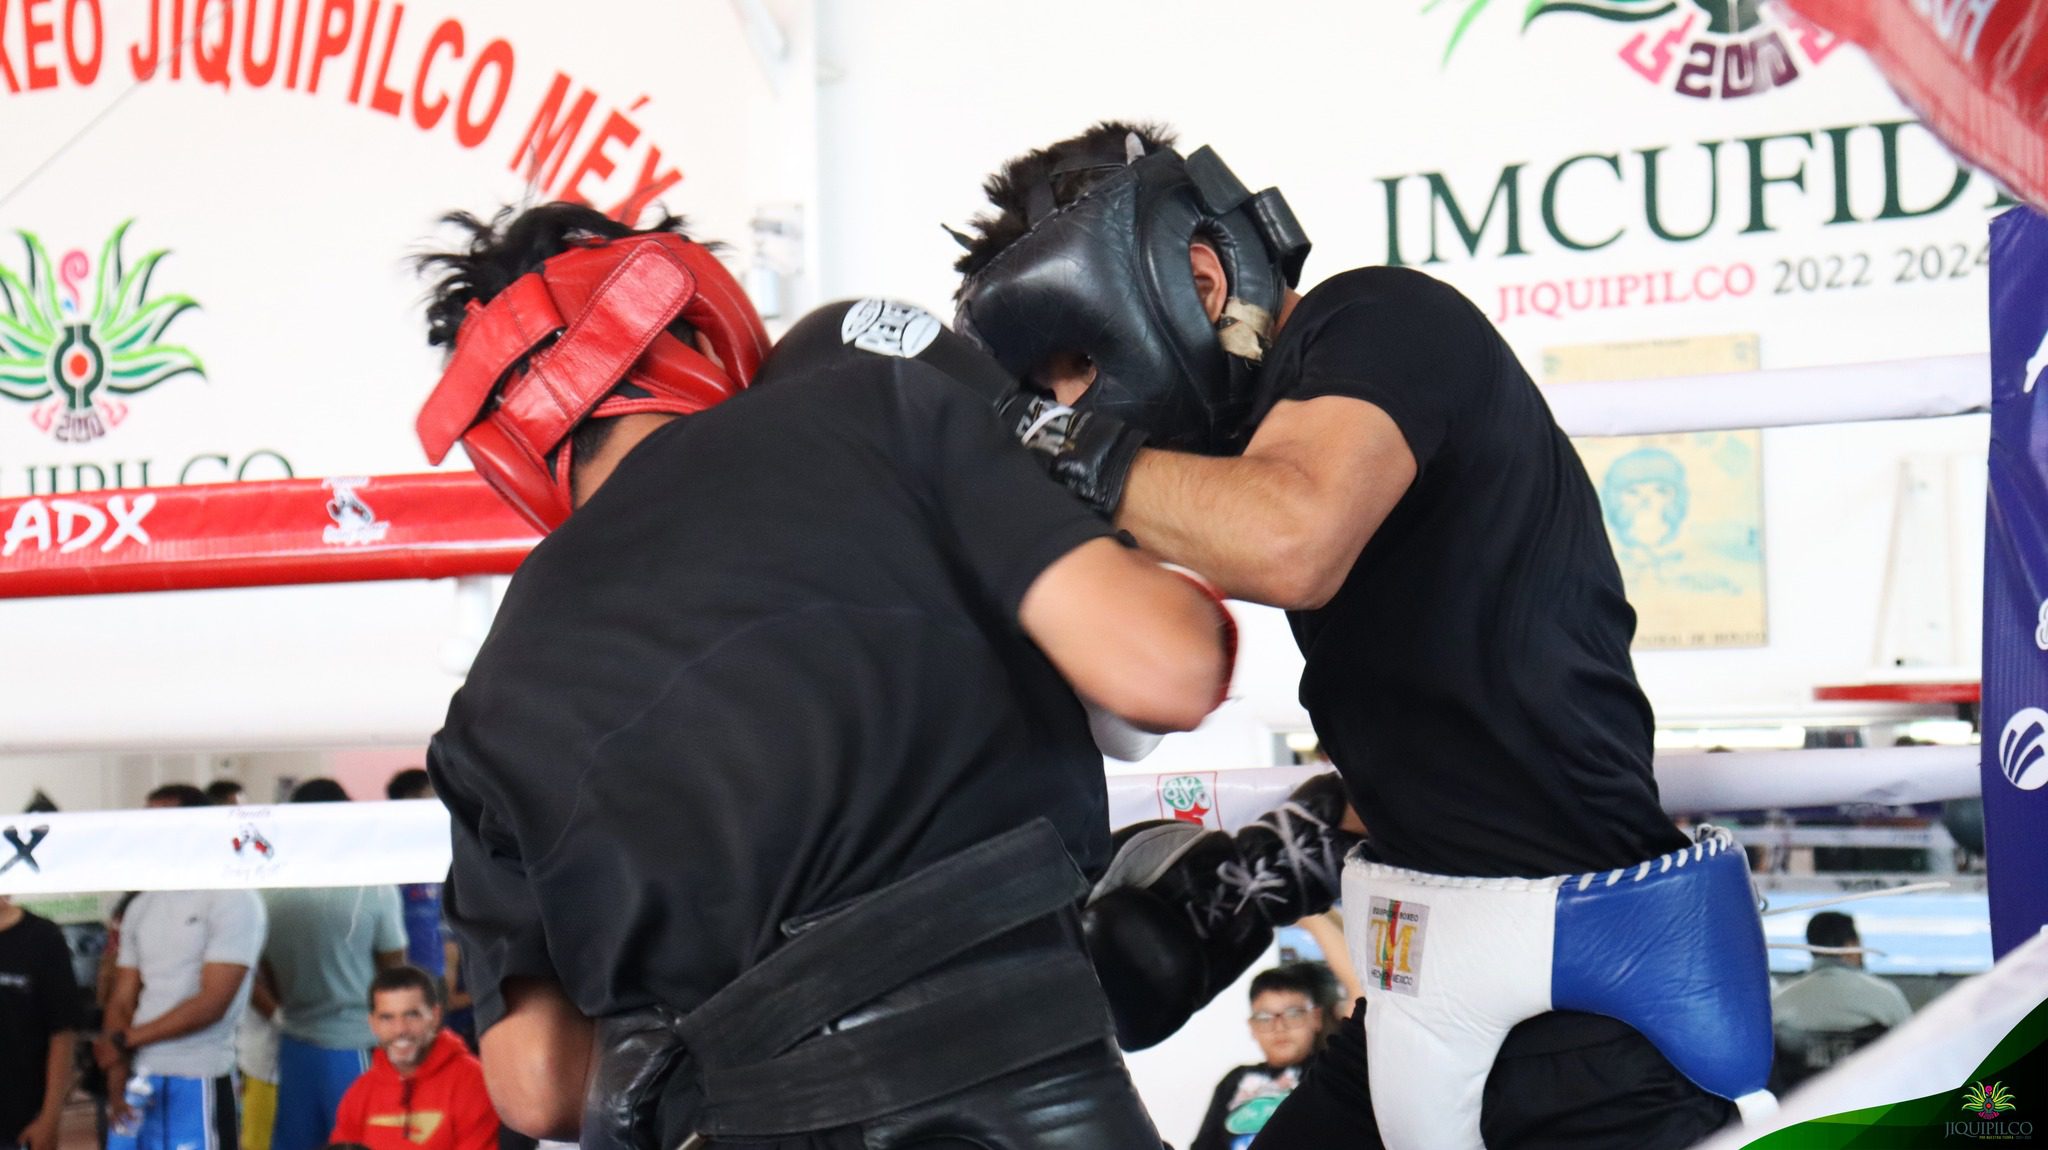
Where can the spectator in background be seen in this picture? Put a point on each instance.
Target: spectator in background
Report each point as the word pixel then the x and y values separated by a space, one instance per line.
pixel 224 793
pixel 1294 1012
pixel 181 982
pixel 326 945
pixel 1837 1008
pixel 429 944
pixel 424 932
pixel 176 795
pixel 39 1009
pixel 424 1090
pixel 256 1046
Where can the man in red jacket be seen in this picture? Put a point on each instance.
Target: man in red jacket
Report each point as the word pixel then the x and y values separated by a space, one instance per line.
pixel 423 1090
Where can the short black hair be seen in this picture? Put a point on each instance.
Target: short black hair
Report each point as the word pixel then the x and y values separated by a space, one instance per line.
pixel 410 783
pixel 1009 188
pixel 1311 980
pixel 183 794
pixel 319 790
pixel 1831 928
pixel 405 978
pixel 223 791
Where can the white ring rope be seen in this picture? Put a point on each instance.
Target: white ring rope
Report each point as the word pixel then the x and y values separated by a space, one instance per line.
pixel 359 844
pixel 1784 397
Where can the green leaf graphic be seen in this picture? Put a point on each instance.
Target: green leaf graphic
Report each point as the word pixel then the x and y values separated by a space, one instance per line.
pixel 1627 11
pixel 107 288
pixel 26 310
pixel 146 326
pixel 139 371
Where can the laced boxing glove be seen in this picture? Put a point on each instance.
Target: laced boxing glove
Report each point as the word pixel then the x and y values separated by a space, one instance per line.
pixel 1182 911
pixel 1088 452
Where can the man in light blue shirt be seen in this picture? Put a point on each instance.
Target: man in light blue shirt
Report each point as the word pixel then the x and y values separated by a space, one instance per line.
pixel 326 944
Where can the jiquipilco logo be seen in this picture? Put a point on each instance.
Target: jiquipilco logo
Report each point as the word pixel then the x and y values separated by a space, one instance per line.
pixel 75 359
pixel 1705 49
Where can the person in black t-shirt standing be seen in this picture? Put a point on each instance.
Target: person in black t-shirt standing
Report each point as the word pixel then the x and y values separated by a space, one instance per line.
pixel 769 784
pixel 1372 458
pixel 39 1010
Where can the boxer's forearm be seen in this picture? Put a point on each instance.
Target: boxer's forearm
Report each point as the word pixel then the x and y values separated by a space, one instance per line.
pixel 537 1060
pixel 1240 522
pixel 1283 523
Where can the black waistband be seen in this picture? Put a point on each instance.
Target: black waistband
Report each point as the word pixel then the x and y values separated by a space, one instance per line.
pixel 767 1064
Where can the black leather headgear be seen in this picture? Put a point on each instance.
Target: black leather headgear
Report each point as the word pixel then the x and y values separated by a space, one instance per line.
pixel 1107 276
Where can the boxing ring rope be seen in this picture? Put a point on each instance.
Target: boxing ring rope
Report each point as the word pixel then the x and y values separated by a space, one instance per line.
pixel 1783 397
pixel 370 843
pixel 432 526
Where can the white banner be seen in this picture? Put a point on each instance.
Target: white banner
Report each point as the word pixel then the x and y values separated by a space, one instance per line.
pixel 215 848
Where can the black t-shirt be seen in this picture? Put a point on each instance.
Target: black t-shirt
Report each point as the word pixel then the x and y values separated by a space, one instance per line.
pixel 1471 678
pixel 38 998
pixel 1242 1103
pixel 772 665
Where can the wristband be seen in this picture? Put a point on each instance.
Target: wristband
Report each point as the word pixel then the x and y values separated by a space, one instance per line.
pixel 1225 621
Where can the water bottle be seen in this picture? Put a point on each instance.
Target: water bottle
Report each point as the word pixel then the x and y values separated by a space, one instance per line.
pixel 137 1097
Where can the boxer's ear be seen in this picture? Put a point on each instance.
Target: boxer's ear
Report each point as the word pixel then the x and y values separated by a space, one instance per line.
pixel 1210 282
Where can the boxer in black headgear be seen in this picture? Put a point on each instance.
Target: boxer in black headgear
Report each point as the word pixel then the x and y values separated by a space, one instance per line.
pixel 1370 457
pixel 771 794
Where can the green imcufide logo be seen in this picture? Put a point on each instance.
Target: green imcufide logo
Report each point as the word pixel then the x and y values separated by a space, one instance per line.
pixel 72 360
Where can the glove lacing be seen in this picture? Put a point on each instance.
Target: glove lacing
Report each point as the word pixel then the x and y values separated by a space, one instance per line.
pixel 1312 855
pixel 1041 424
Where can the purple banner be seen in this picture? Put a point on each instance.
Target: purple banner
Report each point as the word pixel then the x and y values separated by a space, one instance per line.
pixel 2015 757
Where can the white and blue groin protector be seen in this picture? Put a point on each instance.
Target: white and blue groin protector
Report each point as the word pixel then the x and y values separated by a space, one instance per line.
pixel 1673 947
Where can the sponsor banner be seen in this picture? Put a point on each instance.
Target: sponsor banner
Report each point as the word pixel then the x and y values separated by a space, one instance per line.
pixel 1668 170
pixel 213 210
pixel 2015 716
pixel 214 848
pixel 258 534
pixel 1220 800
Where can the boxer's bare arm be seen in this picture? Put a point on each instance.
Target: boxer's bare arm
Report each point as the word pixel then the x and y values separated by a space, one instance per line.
pixel 537 1060
pixel 1283 523
pixel 1129 635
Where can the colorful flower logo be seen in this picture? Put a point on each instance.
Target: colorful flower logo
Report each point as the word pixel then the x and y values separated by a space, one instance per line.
pixel 1988 1101
pixel 73 361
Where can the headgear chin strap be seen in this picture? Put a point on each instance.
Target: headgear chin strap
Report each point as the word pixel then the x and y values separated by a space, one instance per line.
pixel 1107 276
pixel 599 317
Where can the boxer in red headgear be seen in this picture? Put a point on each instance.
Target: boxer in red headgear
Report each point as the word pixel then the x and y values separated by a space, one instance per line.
pixel 772 795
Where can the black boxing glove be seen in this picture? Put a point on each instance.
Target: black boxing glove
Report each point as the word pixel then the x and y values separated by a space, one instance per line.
pixel 1182 911
pixel 1159 949
pixel 1293 855
pixel 1088 452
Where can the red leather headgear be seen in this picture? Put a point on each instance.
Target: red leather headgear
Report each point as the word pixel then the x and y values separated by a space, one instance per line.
pixel 610 305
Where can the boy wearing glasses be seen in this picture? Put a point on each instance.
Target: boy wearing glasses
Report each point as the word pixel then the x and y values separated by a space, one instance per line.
pixel 1293 1012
